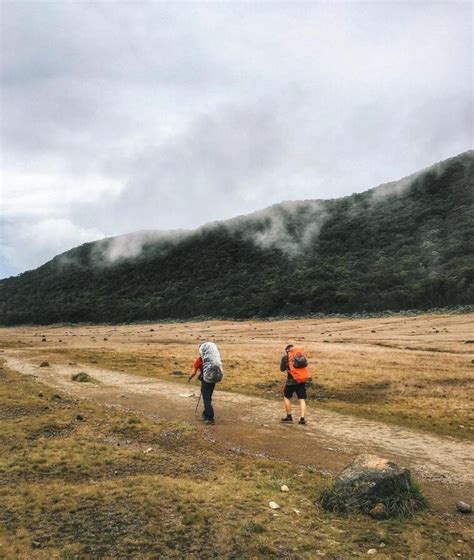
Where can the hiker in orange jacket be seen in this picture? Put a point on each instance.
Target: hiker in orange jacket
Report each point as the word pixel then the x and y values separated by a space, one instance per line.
pixel 295 364
pixel 209 363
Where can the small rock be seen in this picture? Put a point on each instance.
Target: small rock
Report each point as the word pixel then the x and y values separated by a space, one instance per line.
pixel 378 511
pixel 273 505
pixel 297 511
pixel 148 450
pixel 284 488
pixel 35 544
pixel 44 364
pixel 106 339
pixel 40 394
pixel 80 418
pixel 382 545
pixel 372 551
pixel 116 473
pixel 463 507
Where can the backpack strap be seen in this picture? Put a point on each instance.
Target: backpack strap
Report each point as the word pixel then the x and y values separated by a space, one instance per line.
pixel 288 370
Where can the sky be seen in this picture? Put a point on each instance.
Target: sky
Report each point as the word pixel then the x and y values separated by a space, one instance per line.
pixel 124 116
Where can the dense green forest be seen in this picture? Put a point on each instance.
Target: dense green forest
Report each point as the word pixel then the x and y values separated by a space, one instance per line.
pixel 404 245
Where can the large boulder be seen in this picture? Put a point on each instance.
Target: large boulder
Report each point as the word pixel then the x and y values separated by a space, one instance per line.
pixel 375 486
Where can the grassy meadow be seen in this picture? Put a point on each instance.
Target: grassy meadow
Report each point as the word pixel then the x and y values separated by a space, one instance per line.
pixel 80 480
pixel 412 371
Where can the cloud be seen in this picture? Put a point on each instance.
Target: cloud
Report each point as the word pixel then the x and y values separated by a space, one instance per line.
pixel 131 245
pixel 119 117
pixel 27 194
pixel 28 244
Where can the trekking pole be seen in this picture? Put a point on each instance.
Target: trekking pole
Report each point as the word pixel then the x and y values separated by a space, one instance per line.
pixel 199 400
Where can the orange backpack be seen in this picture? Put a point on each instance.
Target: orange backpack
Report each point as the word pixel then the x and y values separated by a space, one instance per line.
pixel 298 364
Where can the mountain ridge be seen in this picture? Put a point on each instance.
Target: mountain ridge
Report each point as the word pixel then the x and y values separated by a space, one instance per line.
pixel 401 245
pixel 184 232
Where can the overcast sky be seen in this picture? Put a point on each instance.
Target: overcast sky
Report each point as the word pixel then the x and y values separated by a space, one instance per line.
pixel 117 117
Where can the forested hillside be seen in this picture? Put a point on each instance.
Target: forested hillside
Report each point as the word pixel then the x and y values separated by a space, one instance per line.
pixel 404 245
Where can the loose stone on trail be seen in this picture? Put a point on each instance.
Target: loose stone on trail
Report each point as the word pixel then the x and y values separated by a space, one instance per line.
pixel 284 488
pixel 273 505
pixel 463 507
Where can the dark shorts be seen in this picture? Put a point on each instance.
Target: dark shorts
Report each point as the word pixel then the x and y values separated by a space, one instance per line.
pixel 298 388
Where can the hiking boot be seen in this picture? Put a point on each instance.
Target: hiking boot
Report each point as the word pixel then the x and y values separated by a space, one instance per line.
pixel 287 418
pixel 209 421
pixel 302 421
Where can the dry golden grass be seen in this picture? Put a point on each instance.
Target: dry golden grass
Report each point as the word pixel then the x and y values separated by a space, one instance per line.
pixel 411 371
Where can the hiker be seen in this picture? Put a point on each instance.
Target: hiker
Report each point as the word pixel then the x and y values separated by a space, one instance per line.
pixel 295 364
pixel 211 372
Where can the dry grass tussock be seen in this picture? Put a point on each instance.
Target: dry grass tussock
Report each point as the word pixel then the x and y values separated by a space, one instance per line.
pixel 82 481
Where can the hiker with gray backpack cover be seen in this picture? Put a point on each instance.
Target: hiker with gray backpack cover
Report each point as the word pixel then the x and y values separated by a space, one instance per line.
pixel 210 365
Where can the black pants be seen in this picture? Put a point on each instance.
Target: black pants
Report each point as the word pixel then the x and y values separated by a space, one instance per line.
pixel 206 391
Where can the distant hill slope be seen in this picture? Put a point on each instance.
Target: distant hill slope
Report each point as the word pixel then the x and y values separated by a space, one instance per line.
pixel 404 245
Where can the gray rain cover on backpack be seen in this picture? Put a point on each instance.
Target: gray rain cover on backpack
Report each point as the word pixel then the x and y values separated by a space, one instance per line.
pixel 212 370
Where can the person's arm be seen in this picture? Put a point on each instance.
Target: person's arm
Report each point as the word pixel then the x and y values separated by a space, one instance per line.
pixel 193 373
pixel 284 363
pixel 197 365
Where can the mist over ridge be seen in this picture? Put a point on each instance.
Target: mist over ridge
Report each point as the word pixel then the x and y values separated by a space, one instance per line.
pixel 272 222
pixel 403 245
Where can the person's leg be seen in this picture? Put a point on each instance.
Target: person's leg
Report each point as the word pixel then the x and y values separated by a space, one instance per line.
pixel 302 407
pixel 287 393
pixel 206 391
pixel 301 394
pixel 212 386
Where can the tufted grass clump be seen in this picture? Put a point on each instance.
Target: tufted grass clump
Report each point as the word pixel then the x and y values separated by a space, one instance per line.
pixel 401 503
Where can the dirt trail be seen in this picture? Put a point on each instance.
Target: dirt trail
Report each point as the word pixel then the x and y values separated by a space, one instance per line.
pixel 250 424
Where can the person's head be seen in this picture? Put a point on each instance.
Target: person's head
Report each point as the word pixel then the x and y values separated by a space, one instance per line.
pixel 289 347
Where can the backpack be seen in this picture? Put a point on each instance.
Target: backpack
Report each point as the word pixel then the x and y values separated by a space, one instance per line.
pixel 212 370
pixel 298 364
